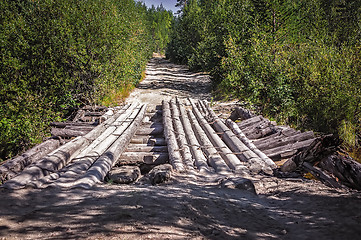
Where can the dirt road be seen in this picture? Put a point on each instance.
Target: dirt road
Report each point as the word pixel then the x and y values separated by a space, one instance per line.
pixel 191 206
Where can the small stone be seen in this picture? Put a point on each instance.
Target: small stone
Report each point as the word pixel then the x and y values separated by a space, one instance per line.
pixel 238 183
pixel 160 174
pixel 124 174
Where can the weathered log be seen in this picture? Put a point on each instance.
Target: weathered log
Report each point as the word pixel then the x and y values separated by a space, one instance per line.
pixel 229 157
pixel 182 141
pixel 93 114
pixel 146 148
pixel 57 159
pixel 200 159
pixel 160 174
pixel 322 176
pixel 124 174
pixel 344 168
pixel 281 133
pixel 282 141
pixel 154 158
pixel 242 113
pixel 66 133
pixel 214 159
pixel 157 131
pixel 234 127
pixel 14 166
pixel 77 124
pixel 281 152
pixel 97 172
pixel 250 122
pixel 236 145
pixel 152 141
pixel 173 148
pixel 264 123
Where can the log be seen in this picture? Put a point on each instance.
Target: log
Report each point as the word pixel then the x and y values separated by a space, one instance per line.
pixel 77 124
pixel 14 166
pixel 242 113
pixel 173 148
pixel 182 141
pixel 57 159
pixel 199 158
pixel 229 157
pixel 280 134
pixel 152 141
pixel 282 141
pixel 323 177
pixel 250 122
pixel 214 159
pixel 107 160
pixel 146 148
pixel 281 152
pixel 66 133
pixel 157 131
pixel 155 158
pixel 93 114
pixel 236 145
pixel 234 127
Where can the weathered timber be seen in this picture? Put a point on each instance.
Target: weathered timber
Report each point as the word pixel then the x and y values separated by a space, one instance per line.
pixel 250 122
pixel 322 176
pixel 149 141
pixel 160 174
pixel 214 159
pixel 66 133
pixel 182 141
pixel 173 148
pixel 154 158
pixel 285 151
pixel 282 141
pixel 146 148
pixel 228 156
pixel 77 124
pixel 14 166
pixel 93 114
pixel 344 168
pixel 234 127
pixel 199 158
pixel 57 159
pixel 280 134
pixel 107 160
pixel 124 174
pixel 236 145
pixel 156 131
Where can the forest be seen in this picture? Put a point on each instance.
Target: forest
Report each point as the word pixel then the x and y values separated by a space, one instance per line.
pixel 57 55
pixel 297 62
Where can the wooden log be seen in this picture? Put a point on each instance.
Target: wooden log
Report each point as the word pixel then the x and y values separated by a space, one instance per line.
pixel 260 133
pixel 250 122
pixel 107 160
pixel 236 145
pixel 242 113
pixel 146 148
pixel 344 168
pixel 324 177
pixel 282 141
pixel 182 141
pixel 14 166
pixel 234 127
pixel 214 159
pixel 93 114
pixel 229 157
pixel 173 148
pixel 77 124
pixel 157 131
pixel 282 133
pixel 199 158
pixel 155 158
pixel 57 159
pixel 279 152
pixel 264 123
pixel 149 141
pixel 66 133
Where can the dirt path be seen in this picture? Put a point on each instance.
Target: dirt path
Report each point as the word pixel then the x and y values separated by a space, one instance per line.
pixel 189 206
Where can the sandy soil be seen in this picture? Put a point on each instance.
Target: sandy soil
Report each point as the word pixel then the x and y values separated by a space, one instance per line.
pixel 190 206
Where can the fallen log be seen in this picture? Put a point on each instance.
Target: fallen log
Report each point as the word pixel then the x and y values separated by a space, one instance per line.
pixel 173 148
pixel 200 159
pixel 77 124
pixel 182 141
pixel 146 148
pixel 250 122
pixel 14 166
pixel 242 113
pixel 281 133
pixel 279 153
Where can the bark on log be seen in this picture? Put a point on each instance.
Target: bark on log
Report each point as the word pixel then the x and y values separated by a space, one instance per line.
pixel 229 157
pixel 14 166
pixel 200 159
pixel 182 141
pixel 173 148
pixel 214 159
pixel 57 159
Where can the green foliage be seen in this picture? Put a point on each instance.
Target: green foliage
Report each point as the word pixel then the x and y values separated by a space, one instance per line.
pixel 299 61
pixel 57 55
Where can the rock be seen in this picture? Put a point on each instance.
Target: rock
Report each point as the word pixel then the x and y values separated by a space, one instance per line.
pixel 238 183
pixel 160 174
pixel 124 174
